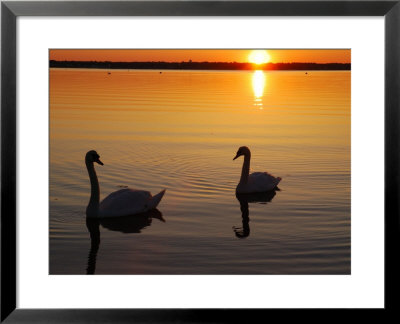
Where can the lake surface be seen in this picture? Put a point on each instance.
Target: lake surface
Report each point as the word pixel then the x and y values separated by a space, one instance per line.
pixel 180 130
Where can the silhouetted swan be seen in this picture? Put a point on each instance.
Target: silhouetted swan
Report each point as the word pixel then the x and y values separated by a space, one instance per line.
pixel 257 181
pixel 123 202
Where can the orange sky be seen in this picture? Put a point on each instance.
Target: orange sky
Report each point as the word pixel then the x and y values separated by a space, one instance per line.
pixel 174 55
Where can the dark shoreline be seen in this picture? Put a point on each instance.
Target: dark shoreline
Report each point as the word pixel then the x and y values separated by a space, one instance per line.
pixel 200 66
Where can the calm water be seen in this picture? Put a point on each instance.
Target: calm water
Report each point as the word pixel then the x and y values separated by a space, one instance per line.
pixel 180 130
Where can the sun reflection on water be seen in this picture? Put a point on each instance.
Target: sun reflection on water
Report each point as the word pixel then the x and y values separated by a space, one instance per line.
pixel 258 87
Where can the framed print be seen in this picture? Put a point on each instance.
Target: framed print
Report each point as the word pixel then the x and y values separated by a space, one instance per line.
pixel 161 96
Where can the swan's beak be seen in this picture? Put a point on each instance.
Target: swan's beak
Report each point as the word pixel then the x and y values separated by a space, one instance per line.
pixel 237 155
pixel 99 162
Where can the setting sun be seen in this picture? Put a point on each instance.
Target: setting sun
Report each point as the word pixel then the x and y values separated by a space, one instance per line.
pixel 259 57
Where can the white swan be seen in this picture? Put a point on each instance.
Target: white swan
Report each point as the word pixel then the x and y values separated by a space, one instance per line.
pixel 257 181
pixel 123 202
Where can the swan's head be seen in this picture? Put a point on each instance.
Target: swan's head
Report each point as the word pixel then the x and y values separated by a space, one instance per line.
pixel 92 156
pixel 243 150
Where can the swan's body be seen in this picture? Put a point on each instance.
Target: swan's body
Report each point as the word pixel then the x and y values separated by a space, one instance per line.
pixel 258 182
pixel 123 202
pixel 254 182
pixel 126 202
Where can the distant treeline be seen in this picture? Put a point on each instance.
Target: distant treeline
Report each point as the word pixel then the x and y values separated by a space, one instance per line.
pixel 198 65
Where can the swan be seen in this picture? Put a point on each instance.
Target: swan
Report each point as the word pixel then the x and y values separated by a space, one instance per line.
pixel 257 181
pixel 123 202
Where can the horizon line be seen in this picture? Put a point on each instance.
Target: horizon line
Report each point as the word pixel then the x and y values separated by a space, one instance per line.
pixel 197 62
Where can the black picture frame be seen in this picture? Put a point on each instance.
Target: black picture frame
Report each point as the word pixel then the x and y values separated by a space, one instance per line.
pixel 10 10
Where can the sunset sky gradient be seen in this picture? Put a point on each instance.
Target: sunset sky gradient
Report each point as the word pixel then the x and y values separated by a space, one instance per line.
pixel 200 55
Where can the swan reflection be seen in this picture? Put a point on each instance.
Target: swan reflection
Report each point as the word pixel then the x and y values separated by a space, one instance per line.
pixel 125 224
pixel 258 81
pixel 244 200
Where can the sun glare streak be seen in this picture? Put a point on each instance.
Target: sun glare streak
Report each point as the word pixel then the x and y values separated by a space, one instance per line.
pixel 258 87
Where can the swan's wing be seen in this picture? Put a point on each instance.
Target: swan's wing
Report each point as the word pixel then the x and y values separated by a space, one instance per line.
pixel 125 202
pixel 262 176
pixel 122 195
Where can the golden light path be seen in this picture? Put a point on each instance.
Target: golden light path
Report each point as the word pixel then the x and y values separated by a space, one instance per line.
pixel 258 87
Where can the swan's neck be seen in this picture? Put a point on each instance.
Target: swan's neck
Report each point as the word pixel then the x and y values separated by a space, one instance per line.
pixel 93 206
pixel 245 169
